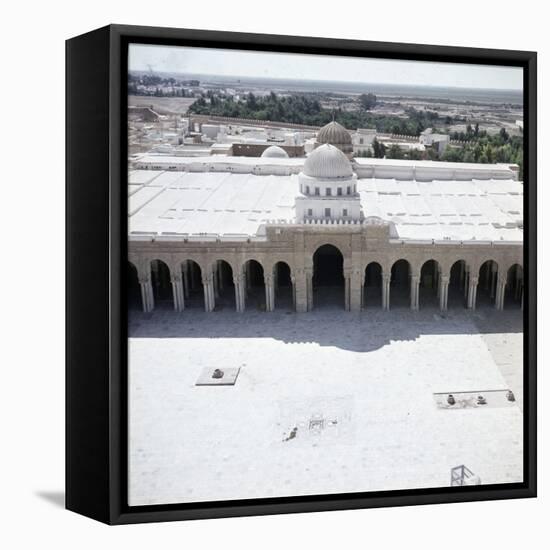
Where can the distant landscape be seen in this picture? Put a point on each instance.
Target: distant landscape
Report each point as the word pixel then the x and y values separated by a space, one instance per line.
pixel 482 123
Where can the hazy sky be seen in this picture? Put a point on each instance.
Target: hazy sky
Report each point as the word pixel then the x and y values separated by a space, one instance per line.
pixel 317 67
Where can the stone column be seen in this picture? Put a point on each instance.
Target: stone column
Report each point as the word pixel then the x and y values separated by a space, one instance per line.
pixel 177 291
pixel 386 279
pixel 269 293
pixel 186 279
pixel 238 281
pixel 443 292
pixel 415 282
pixel 472 293
pixel 493 279
pixel 208 285
pixel 216 280
pixel 499 294
pixel 309 288
pixel 300 283
pixel 466 282
pixel 147 297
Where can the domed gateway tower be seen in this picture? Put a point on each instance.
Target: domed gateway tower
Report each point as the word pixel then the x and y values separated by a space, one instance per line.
pixel 328 188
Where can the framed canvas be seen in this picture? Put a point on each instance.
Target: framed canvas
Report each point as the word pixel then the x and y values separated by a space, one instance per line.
pixel 301 274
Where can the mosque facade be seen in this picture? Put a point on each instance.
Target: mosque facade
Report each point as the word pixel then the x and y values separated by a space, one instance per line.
pixel 326 230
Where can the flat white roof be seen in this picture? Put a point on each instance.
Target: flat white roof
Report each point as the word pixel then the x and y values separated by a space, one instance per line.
pixel 220 203
pixel 151 159
pixel 461 166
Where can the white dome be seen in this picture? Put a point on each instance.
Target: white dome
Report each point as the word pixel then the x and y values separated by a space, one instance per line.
pixel 275 151
pixel 327 162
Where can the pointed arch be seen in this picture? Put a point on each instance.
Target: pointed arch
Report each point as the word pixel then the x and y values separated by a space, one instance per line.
pixel 193 287
pixel 161 284
pixel 430 272
pixel 254 285
pixel 458 284
pixel 513 296
pixel 487 283
pixel 400 283
pixel 328 282
pixel 372 287
pixel 283 287
pixel 224 285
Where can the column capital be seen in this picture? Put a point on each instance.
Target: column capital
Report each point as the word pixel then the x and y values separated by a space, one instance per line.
pixel 175 277
pixel 268 279
pixel 386 277
pixel 144 279
pixel 207 279
pixel 474 280
pixel 445 279
pixel 238 278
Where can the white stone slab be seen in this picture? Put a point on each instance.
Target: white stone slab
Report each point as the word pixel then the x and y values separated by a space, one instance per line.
pixel 229 377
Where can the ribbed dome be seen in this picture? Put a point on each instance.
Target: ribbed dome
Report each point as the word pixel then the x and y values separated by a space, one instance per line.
pixel 275 152
pixel 334 133
pixel 327 162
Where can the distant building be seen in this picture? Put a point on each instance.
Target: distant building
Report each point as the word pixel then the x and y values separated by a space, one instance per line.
pixel 362 139
pixel 143 114
pixel 437 141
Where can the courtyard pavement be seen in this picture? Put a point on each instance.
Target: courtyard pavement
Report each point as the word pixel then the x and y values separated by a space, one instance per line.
pixel 325 402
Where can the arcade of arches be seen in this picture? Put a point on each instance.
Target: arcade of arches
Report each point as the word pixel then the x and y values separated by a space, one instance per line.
pixel 326 281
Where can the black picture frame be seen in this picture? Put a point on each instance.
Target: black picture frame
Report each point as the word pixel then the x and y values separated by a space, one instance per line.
pixel 96 248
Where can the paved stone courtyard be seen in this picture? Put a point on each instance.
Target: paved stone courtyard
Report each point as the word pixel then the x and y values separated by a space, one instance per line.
pixel 325 402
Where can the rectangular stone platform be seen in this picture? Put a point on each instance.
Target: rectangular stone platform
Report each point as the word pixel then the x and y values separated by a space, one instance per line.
pixel 229 377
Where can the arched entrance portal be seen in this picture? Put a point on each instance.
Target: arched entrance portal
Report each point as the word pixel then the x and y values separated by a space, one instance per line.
pixel 133 288
pixel 193 288
pixel 328 277
pixel 487 283
pixel 282 283
pixel 372 290
pixel 400 284
pixel 429 283
pixel 255 285
pixel 513 295
pixel 224 287
pixel 162 285
pixel 458 285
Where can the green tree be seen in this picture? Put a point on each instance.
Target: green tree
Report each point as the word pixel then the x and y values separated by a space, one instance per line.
pixel 378 149
pixel 367 101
